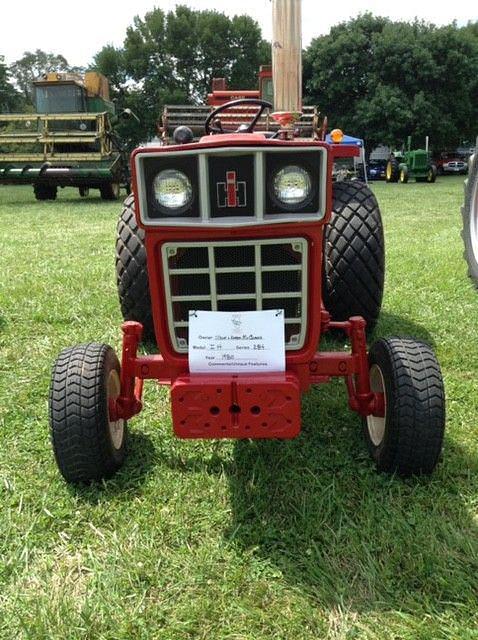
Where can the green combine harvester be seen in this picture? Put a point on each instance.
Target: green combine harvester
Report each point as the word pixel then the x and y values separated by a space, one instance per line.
pixel 68 142
pixel 405 165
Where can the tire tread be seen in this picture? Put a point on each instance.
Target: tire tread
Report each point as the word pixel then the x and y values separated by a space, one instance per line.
pixel 354 269
pixel 78 414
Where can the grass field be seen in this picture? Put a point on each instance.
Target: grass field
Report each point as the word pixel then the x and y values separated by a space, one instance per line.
pixel 236 541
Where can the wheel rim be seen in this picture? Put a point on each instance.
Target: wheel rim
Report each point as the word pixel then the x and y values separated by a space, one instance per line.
pixel 116 427
pixel 389 170
pixel 116 189
pixel 402 176
pixel 376 424
pixel 474 221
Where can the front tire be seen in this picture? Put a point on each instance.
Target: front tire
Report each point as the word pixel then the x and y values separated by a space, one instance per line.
pixel 354 255
pixel 432 174
pixel 408 439
pixel 45 192
pixel 404 174
pixel 87 443
pixel 469 213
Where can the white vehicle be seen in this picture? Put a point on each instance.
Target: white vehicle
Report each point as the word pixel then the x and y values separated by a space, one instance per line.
pixel 455 166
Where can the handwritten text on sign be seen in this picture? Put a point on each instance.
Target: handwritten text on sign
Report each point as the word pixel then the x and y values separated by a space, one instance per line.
pixel 248 341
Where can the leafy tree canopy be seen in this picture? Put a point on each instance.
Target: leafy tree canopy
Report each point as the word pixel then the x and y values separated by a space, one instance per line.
pixel 383 80
pixel 32 65
pixel 173 57
pixel 9 97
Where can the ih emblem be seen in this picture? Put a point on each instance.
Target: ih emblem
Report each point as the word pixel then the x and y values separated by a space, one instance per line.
pixel 231 194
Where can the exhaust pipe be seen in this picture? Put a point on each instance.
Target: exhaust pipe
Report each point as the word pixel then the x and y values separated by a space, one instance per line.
pixel 287 55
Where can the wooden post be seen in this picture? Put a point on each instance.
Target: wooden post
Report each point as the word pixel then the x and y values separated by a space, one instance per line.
pixel 287 54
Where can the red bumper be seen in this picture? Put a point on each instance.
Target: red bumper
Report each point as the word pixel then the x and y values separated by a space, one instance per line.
pixel 266 406
pixel 245 406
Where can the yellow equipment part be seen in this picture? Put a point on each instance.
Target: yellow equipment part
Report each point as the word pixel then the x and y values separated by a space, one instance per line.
pixel 95 83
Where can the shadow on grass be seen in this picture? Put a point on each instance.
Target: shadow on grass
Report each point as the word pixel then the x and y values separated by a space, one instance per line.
pixel 392 325
pixel 388 325
pixel 314 513
pixel 23 195
pixel 139 462
pixel 317 511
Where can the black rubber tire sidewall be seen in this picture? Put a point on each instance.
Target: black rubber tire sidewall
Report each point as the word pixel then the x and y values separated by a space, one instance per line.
pixel 471 183
pixel 132 270
pixel 110 191
pixel 395 170
pixel 45 192
pixel 78 411
pixel 414 419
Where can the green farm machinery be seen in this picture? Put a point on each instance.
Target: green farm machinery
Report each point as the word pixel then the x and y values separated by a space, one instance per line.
pixel 403 166
pixel 69 141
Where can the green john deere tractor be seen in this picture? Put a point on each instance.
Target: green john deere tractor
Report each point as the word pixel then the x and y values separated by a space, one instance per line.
pixel 69 141
pixel 405 165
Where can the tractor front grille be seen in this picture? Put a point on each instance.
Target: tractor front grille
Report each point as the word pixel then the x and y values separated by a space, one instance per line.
pixel 254 275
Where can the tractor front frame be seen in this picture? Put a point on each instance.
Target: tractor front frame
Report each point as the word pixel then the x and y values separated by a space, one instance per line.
pixel 252 406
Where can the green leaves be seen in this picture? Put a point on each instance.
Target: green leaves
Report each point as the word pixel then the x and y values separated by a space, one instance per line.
pixel 173 57
pixel 9 97
pixel 32 65
pixel 384 80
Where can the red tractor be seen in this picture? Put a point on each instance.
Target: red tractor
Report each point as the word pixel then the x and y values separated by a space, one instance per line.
pixel 221 94
pixel 249 221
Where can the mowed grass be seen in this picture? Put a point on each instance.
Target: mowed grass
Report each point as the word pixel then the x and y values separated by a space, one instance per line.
pixel 236 541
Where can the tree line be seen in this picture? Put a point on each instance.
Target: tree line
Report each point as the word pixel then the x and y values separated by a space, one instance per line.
pixel 378 79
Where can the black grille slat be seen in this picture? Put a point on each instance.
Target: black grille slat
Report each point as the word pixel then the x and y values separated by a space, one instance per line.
pixel 257 274
pixel 275 282
pixel 272 255
pixel 234 256
pixel 235 283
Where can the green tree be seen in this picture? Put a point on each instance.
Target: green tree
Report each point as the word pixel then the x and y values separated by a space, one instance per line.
pixel 32 65
pixel 384 80
pixel 171 58
pixel 9 97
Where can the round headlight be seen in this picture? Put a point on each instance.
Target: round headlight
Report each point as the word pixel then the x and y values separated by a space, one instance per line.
pixel 292 187
pixel 173 191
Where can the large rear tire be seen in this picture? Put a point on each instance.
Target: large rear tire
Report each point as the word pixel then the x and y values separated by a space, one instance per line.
pixel 470 219
pixel 132 270
pixel 392 172
pixel 89 445
pixel 354 255
pixel 110 191
pixel 408 439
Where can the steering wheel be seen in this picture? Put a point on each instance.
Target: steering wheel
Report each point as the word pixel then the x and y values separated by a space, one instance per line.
pixel 212 126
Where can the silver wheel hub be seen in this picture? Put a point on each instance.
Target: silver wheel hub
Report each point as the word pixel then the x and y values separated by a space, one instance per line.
pixel 376 424
pixel 116 427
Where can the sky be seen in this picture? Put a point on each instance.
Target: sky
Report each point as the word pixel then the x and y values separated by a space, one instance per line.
pixel 78 30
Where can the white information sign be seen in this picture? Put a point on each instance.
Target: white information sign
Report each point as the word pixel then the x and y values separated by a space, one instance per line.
pixel 243 342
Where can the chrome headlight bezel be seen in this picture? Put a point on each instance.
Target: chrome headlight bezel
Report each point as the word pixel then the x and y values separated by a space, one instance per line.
pixel 312 166
pixel 284 173
pixel 180 180
pixel 180 165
